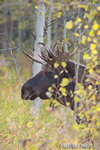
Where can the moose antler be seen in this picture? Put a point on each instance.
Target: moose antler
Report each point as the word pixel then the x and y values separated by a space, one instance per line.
pixel 50 56
pixel 57 56
pixel 35 57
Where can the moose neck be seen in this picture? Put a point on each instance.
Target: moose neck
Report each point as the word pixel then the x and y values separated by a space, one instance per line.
pixel 71 68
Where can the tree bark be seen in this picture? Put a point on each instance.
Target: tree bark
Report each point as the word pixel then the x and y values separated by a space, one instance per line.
pixel 40 26
pixel 49 28
pixel 64 32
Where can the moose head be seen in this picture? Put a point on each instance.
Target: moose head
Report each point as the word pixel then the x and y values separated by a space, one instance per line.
pixel 38 85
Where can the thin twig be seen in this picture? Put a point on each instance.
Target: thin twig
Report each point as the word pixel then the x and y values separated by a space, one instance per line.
pixel 85 49
pixel 10 48
pixel 15 65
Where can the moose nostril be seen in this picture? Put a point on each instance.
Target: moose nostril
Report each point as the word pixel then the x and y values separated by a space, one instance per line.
pixel 25 94
pixel 25 91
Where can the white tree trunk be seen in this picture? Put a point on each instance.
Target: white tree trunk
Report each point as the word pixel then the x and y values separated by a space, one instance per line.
pixel 40 26
pixel 64 32
pixel 56 32
pixel 49 28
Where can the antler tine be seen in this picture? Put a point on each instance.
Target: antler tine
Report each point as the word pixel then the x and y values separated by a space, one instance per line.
pixel 34 58
pixel 53 46
pixel 52 54
pixel 73 52
pixel 62 49
pixel 51 51
pixel 47 60
pixel 31 51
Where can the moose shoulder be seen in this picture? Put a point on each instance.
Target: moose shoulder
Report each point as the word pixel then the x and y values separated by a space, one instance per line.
pixel 38 85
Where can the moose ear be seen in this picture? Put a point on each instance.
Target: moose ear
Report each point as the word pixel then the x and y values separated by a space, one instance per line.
pixel 44 53
pixel 57 51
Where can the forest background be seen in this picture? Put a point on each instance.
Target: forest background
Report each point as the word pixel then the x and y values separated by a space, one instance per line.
pixel 76 24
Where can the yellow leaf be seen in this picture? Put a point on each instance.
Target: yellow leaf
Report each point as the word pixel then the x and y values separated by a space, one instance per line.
pixel 95 26
pixel 91 71
pixel 91 33
pixel 86 26
pixel 89 39
pixel 98 124
pixel 95 40
pixel 54 101
pixel 75 127
pixel 84 6
pixel 68 104
pixel 76 99
pixel 94 52
pixel 83 41
pixel 59 8
pixel 82 125
pixel 86 56
pixel 76 34
pixel 77 20
pixel 77 92
pixel 63 64
pixel 36 6
pixel 98 33
pixel 63 91
pixel 50 88
pixel 48 94
pixel 59 14
pixel 69 25
pixel 58 42
pixel 90 87
pixel 98 8
pixel 81 116
pixel 92 46
pixel 41 13
pixel 98 108
pixel 55 76
pixel 64 82
pixel 29 124
pixel 56 65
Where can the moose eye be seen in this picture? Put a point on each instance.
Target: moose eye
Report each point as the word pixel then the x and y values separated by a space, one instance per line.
pixel 48 73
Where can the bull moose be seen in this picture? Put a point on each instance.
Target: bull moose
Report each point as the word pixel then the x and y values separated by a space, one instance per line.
pixel 38 85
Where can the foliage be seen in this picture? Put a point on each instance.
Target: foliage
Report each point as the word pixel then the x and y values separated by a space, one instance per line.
pixel 87 94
